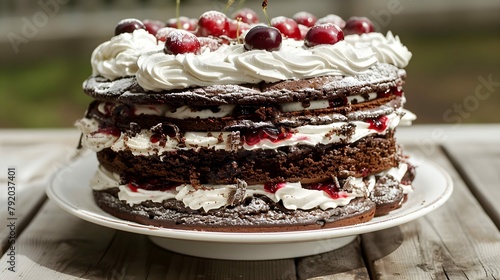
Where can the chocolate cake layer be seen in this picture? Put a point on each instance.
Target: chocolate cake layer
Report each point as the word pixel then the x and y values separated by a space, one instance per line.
pixel 387 195
pixel 255 214
pixel 126 90
pixel 306 164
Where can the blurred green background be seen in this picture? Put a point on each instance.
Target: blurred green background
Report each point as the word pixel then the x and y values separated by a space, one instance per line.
pixel 45 49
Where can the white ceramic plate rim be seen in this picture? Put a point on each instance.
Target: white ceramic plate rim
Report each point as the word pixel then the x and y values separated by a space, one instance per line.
pixel 84 207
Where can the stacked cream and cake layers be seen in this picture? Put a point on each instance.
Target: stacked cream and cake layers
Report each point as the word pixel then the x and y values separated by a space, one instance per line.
pixel 140 56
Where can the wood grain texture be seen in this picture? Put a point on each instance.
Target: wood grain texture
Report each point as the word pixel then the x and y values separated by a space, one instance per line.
pixel 57 245
pixel 457 241
pixel 344 263
pixel 169 265
pixel 26 209
pixel 34 162
pixel 479 166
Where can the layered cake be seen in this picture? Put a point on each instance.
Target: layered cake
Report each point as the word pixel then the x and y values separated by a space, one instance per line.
pixel 223 124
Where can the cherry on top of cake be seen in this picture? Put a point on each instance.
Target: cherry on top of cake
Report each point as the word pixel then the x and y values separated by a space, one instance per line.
pixel 186 35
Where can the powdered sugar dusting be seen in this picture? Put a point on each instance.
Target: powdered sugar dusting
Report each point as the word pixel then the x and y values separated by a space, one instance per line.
pixel 178 35
pixel 278 20
pixel 127 20
pixel 378 78
pixel 212 15
pixel 331 18
pixel 256 212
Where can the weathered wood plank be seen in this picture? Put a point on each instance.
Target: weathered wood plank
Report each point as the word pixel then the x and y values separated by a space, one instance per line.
pixel 57 245
pixel 457 241
pixel 27 206
pixel 344 263
pixel 479 165
pixel 169 265
pixel 34 163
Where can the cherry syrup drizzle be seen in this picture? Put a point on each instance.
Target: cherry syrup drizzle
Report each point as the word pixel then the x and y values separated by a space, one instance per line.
pixel 110 131
pixel 379 124
pixel 273 187
pixel 155 138
pixel 329 188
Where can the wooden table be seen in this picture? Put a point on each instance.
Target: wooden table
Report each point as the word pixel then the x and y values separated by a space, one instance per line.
pixel 460 240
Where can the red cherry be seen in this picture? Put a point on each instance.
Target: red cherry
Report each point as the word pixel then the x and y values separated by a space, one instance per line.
pixel 305 18
pixel 128 26
pixel 213 23
pixel 358 25
pixel 303 31
pixel 287 27
pixel 263 37
pixel 161 35
pixel 246 15
pixel 327 33
pixel 185 23
pixel 152 26
pixel 331 18
pixel 181 41
pixel 237 28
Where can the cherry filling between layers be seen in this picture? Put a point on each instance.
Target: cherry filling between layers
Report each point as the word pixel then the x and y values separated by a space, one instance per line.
pixel 292 195
pixel 166 137
pixel 331 189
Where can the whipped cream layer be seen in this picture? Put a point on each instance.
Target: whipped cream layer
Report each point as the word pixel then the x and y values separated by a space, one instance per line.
pixel 207 197
pixel 220 111
pixel 142 144
pixel 139 54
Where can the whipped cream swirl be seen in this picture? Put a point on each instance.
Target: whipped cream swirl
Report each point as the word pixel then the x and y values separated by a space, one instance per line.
pixel 387 49
pixel 231 64
pixel 139 54
pixel 118 57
